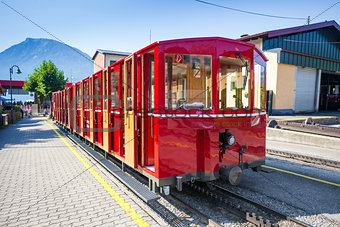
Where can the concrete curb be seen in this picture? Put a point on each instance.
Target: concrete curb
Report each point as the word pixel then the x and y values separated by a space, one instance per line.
pixel 302 138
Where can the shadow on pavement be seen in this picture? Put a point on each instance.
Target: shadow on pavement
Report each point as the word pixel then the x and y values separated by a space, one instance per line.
pixel 26 131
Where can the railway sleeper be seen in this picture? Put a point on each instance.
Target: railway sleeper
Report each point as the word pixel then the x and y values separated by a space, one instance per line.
pixel 259 221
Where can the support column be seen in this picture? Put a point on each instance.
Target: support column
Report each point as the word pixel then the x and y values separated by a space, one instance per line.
pixel 317 90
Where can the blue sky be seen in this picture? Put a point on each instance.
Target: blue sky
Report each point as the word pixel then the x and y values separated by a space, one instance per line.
pixel 125 25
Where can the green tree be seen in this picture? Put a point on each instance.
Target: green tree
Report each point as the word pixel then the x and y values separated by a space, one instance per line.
pixel 32 84
pixel 47 78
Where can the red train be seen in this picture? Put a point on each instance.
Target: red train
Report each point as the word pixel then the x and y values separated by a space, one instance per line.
pixel 175 111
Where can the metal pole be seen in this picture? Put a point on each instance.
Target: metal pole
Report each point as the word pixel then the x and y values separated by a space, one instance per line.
pixel 10 81
pixel 10 84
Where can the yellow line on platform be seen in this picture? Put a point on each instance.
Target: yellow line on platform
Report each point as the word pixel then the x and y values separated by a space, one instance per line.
pixel 300 175
pixel 121 202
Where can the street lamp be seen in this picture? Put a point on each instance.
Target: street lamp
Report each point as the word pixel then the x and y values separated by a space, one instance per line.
pixel 10 81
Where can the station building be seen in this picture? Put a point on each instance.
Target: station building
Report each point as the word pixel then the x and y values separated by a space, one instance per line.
pixel 104 58
pixel 303 71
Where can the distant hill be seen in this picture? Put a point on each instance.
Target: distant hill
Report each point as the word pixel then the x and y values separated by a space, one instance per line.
pixel 30 53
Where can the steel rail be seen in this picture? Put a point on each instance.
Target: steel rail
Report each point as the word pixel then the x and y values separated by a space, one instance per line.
pixel 203 218
pixel 260 206
pixel 234 209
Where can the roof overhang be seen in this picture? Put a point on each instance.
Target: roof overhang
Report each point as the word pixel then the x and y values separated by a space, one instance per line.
pixel 110 52
pixel 286 31
pixel 303 28
pixel 15 83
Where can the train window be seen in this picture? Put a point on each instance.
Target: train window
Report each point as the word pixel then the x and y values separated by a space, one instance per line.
pixel 78 96
pixel 105 90
pixel 234 83
pixel 66 98
pixel 151 85
pixel 129 101
pixel 259 96
pixel 91 92
pixel 188 81
pixel 97 97
pixel 86 95
pixel 114 89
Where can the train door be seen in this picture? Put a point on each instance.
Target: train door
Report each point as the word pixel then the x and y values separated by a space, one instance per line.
pixel 64 107
pixel 86 118
pixel 98 115
pixel 74 107
pixel 115 113
pixel 56 106
pixel 77 102
pixel 71 108
pixel 59 106
pixel 130 117
pixel 148 91
pixel 91 95
pixel 105 111
pixel 67 107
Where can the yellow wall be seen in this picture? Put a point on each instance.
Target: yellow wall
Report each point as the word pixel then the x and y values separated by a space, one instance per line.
pixel 280 79
pixel 257 42
pixel 285 87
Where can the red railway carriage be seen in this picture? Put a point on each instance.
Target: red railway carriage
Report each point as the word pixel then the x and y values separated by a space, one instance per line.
pixel 178 110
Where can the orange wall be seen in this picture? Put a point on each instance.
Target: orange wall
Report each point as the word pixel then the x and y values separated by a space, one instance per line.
pixel 99 62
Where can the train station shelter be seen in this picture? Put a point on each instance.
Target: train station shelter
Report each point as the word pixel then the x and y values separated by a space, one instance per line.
pixel 303 71
pixel 18 93
pixel 104 58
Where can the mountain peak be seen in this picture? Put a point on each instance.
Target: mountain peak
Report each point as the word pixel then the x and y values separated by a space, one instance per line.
pixel 30 53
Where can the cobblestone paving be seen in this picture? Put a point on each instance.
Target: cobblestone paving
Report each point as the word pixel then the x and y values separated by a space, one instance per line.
pixel 42 183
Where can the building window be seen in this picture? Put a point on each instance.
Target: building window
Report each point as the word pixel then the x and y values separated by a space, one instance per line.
pixel 112 62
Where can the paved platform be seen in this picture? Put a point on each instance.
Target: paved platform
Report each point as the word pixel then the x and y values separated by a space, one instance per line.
pixel 45 180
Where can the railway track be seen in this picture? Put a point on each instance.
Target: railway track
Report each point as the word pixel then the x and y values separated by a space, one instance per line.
pixel 204 219
pixel 304 158
pixel 242 207
pixel 316 129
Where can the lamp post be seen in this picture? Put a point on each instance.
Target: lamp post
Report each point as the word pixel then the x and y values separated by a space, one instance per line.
pixel 10 84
